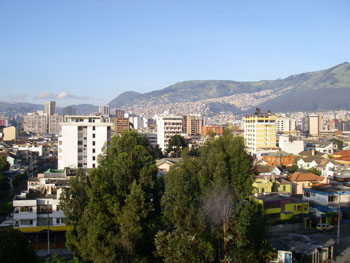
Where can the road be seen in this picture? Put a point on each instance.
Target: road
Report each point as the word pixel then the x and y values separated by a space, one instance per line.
pixel 341 251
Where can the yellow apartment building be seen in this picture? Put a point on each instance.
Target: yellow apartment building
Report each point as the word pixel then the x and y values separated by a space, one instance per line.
pixel 260 132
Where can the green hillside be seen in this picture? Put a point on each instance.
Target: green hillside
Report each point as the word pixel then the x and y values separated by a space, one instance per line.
pixel 294 87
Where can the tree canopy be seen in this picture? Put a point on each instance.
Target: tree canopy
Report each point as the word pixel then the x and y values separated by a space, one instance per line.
pixel 176 145
pixel 207 207
pixel 4 164
pixel 14 247
pixel 200 211
pixel 115 209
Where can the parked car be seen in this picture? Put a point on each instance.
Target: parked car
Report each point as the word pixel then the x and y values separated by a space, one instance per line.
pixel 324 227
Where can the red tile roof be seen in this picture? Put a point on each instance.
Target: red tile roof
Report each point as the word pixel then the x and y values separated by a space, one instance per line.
pixel 300 177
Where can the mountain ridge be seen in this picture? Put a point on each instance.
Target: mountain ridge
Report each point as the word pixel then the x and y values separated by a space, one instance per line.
pixel 241 97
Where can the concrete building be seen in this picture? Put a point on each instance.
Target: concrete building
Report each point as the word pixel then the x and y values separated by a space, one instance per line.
pixel 121 124
pixel 314 125
pixel 4 122
pixel 54 124
pixel 82 140
pixel 291 145
pixel 50 107
pixel 151 136
pixel 260 132
pixel 137 121
pixel 328 198
pixel 285 124
pixel 304 180
pixel 35 123
pixel 212 129
pixel 10 133
pixel 167 126
pixel 192 124
pixel 104 110
pixel 120 113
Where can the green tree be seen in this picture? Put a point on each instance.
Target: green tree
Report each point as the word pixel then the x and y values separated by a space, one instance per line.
pixel 339 143
pixel 184 238
pixel 314 171
pixel 4 164
pixel 14 247
pixel 176 145
pixel 293 168
pixel 207 209
pixel 115 210
pixel 4 186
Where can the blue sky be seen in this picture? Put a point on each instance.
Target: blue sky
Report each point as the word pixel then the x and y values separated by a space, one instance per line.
pixel 82 51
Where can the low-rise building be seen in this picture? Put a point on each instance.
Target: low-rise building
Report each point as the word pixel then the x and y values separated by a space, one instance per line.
pixel 328 198
pixel 309 162
pixel 38 209
pixel 165 164
pixel 291 145
pixel 282 207
pixel 304 180
pixel 279 158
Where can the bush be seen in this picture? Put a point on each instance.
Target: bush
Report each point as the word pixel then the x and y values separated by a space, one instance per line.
pixel 6 209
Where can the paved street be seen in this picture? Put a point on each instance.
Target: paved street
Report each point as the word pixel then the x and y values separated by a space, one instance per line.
pixel 341 251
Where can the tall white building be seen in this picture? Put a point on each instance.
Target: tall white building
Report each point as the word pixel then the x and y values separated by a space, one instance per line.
pixel 285 124
pixel 167 126
pixel 82 140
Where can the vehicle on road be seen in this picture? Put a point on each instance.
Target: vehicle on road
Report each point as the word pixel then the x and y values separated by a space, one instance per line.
pixel 324 227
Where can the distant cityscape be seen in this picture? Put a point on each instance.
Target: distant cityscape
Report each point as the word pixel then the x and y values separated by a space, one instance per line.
pixel 300 157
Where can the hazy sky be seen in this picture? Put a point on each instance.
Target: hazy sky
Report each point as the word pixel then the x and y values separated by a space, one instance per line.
pixel 91 51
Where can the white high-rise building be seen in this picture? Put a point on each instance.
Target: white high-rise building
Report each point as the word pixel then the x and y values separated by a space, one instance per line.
pixel 82 140
pixel 285 124
pixel 167 126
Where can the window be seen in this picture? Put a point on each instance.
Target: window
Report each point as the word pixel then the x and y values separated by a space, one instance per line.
pixel 331 198
pixel 80 128
pixel 93 150
pixel 93 135
pixel 284 188
pixel 80 143
pixel 93 165
pixel 94 143
pixel 307 194
pixel 26 209
pixel 93 128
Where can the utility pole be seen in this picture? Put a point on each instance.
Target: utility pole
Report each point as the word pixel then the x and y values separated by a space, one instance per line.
pixel 338 219
pixel 48 230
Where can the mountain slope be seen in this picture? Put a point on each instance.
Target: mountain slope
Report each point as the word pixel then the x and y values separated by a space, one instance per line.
pixel 324 90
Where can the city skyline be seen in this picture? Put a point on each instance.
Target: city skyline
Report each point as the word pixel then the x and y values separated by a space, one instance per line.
pixel 90 52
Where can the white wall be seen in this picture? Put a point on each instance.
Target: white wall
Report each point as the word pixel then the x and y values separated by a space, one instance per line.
pixel 69 147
